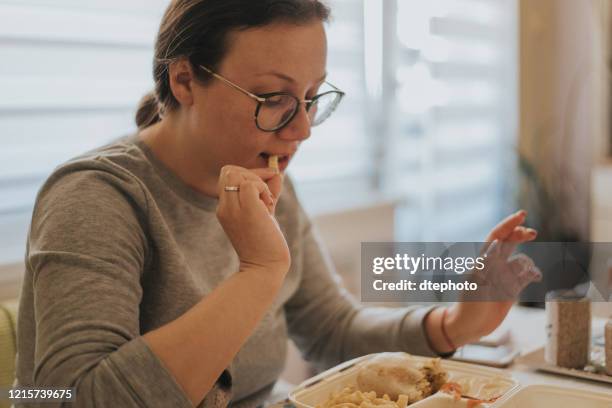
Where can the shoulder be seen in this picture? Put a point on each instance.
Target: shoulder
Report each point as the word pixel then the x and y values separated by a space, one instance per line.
pixel 97 191
pixel 108 173
pixel 91 207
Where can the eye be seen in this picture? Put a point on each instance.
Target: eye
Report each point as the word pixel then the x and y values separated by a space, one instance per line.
pixel 278 102
pixel 275 100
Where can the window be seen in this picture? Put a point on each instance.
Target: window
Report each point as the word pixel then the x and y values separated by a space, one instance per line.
pixel 449 98
pixel 71 75
pixel 429 119
pixel 334 167
pixel 430 105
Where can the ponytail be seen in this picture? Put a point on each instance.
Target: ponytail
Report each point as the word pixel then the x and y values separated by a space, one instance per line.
pixel 148 112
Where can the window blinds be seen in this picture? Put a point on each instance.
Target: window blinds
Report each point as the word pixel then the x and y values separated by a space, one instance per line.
pixel 453 115
pixel 71 73
pixel 430 105
pixel 334 167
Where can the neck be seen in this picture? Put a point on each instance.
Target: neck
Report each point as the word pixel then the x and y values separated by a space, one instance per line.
pixel 171 144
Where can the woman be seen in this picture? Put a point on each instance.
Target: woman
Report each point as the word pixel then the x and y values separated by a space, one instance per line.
pixel 169 268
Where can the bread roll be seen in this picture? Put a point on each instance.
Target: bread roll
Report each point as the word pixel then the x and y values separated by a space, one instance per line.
pixel 397 373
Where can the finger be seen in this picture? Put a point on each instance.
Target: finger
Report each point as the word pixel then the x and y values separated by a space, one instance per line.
pixel 261 173
pixel 518 236
pixel 529 271
pixel 265 194
pixel 503 230
pixel 276 186
pixel 524 271
pixel 537 274
pixel 506 248
pixel 228 200
pixel 523 279
pixel 530 275
pixel 274 183
pixel 498 250
pixel 253 176
pixel 264 173
pixel 255 194
pixel 490 249
pixel 522 234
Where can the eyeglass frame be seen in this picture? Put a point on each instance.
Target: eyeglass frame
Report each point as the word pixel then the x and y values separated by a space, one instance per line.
pixel 262 98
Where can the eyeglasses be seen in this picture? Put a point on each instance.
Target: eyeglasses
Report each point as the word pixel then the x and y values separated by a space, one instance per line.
pixel 275 110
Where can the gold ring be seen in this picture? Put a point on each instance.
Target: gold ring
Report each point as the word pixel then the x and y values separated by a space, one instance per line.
pixel 234 189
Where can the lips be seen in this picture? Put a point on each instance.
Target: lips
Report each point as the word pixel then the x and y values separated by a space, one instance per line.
pixel 283 159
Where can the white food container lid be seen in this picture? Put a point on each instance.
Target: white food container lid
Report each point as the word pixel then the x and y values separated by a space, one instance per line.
pixel 318 389
pixel 548 396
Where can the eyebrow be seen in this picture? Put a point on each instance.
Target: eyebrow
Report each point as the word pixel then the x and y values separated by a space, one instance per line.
pixel 286 77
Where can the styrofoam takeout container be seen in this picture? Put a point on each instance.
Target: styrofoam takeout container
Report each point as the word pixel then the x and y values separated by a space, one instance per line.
pixel 548 396
pixel 318 389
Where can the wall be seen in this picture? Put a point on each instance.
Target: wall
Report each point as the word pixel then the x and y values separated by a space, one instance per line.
pixel 563 92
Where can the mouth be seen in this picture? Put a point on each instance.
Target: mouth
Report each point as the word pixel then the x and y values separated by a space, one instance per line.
pixel 283 159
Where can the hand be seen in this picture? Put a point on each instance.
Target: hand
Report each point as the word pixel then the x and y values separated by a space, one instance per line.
pixel 469 321
pixel 247 216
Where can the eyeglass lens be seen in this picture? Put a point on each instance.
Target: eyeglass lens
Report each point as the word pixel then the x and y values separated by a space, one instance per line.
pixel 277 110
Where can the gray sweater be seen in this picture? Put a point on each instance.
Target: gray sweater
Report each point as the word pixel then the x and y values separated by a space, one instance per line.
pixel 119 246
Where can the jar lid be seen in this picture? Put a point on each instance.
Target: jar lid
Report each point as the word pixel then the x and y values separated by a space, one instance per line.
pixel 565 295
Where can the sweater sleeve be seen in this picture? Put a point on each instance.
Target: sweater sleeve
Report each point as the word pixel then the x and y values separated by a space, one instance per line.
pixel 86 252
pixel 329 326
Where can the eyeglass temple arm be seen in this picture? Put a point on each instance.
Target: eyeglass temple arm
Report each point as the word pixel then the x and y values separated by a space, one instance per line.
pixel 328 83
pixel 335 87
pixel 257 98
pixel 233 85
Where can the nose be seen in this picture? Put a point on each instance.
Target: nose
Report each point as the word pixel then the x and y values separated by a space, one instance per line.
pixel 299 127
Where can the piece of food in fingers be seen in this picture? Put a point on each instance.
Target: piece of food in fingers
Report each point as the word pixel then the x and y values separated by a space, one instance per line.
pixel 273 162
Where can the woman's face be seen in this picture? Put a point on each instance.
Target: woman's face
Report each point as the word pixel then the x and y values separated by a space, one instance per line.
pixel 276 58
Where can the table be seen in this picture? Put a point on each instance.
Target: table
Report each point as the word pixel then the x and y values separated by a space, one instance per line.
pixel 527 327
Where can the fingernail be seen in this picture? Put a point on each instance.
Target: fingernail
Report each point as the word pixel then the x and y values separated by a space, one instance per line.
pixel 531 231
pixel 522 213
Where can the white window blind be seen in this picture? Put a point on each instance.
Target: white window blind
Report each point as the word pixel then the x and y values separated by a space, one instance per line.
pixel 449 95
pixel 71 74
pixel 429 106
pixel 334 168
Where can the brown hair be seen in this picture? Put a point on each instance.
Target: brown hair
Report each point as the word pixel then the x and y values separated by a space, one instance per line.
pixel 198 30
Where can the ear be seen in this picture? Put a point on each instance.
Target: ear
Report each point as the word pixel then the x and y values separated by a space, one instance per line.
pixel 181 78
